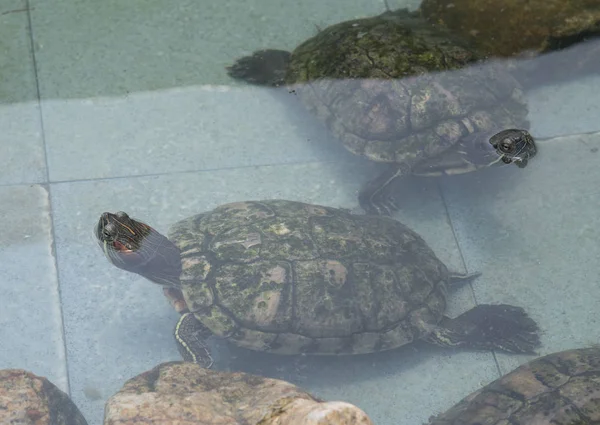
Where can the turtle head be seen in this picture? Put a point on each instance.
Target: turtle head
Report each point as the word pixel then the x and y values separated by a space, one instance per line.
pixel 514 146
pixel 136 247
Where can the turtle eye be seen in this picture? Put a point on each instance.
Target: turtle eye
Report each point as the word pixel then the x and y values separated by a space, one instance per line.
pixel 109 232
pixel 507 146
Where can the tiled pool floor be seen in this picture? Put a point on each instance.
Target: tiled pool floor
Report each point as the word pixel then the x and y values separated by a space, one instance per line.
pixel 119 105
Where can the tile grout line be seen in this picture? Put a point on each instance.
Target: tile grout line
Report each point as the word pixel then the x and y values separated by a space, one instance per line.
pixel 175 173
pixel 462 259
pixel 48 185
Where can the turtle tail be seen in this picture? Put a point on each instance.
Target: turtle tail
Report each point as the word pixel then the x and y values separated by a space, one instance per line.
pixel 263 68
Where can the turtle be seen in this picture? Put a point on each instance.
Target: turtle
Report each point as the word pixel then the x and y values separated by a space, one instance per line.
pixel 526 30
pixel 185 393
pixel 289 277
pixel 396 89
pixel 559 388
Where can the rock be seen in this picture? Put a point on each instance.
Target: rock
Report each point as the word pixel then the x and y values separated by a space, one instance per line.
pixel 28 399
pixel 187 394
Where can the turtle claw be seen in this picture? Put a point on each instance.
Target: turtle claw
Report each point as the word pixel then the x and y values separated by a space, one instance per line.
pixel 390 205
pixel 379 205
pixel 376 196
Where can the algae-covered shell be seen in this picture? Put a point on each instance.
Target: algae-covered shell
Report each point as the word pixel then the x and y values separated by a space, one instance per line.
pixel 289 277
pixel 511 27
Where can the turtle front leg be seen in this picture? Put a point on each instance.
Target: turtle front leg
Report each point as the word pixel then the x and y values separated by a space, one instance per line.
pixel 375 197
pixel 488 327
pixel 175 297
pixel 190 337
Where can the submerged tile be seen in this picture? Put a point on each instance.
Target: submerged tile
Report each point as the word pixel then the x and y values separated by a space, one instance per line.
pixel 30 311
pixel 90 49
pixel 21 146
pixel 178 130
pixel 533 233
pixel 16 62
pixel 22 158
pixel 119 324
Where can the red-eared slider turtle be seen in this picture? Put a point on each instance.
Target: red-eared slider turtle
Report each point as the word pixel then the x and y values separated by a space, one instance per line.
pixel 289 278
pixel 560 388
pixel 395 89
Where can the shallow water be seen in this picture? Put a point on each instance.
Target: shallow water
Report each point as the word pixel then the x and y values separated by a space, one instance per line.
pixel 114 105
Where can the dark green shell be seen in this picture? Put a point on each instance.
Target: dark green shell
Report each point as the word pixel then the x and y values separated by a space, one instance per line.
pixel 395 89
pixel 560 388
pixel 290 277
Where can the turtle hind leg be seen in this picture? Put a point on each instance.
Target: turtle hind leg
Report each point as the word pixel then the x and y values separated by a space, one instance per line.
pixel 375 197
pixel 190 336
pixel 263 67
pixel 485 327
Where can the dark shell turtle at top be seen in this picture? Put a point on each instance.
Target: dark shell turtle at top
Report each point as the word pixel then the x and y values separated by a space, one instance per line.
pixel 395 89
pixel 559 388
pixel 289 278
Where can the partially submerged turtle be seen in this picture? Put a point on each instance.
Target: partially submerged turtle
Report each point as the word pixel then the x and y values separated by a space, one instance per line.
pixel 395 89
pixel 289 278
pixel 531 29
pixel 560 388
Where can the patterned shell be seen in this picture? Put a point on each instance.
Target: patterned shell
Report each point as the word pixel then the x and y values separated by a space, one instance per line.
pixel 560 388
pixel 393 88
pixel 289 277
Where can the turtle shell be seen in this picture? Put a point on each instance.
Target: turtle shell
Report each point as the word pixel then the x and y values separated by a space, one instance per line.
pixel 289 277
pixel 560 388
pixel 511 27
pixel 394 88
pixel 531 29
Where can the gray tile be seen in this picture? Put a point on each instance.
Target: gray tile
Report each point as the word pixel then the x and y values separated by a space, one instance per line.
pixel 22 159
pixel 30 316
pixel 118 324
pixel 21 143
pixel 179 130
pixel 91 49
pixel 16 62
pixel 534 235
pixel 565 108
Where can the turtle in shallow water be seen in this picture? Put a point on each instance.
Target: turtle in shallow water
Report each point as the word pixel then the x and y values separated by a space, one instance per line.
pixel 289 278
pixel 395 89
pixel 560 388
